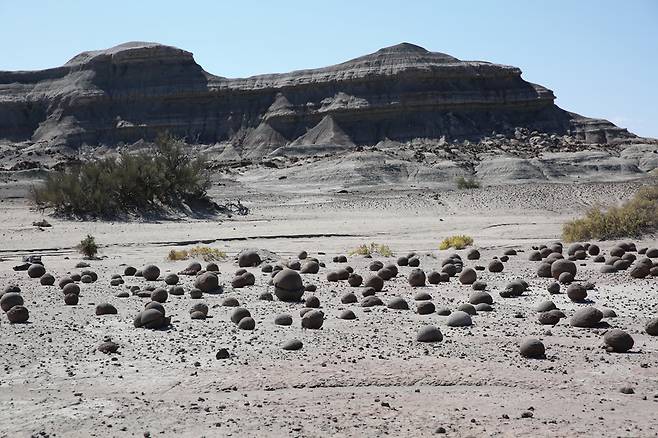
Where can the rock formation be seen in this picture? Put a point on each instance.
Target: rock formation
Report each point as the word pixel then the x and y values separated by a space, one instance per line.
pixel 136 90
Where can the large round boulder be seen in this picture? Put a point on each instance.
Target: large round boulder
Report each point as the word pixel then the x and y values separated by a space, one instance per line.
pixel 459 318
pixel 248 258
pixel 207 282
pixel 429 333
pixel 562 265
pixel 618 341
pixel 587 317
pixel 150 272
pixel 288 285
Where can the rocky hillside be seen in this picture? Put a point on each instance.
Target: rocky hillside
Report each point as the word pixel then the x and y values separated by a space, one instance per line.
pixel 416 106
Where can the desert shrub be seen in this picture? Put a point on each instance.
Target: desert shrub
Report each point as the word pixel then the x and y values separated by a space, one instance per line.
pixel 372 248
pixel 204 253
pixel 464 183
pixel 458 242
pixel 635 217
pixel 163 177
pixel 88 246
pixel 42 224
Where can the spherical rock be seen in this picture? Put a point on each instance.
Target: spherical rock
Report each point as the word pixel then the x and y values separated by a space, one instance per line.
pixel 207 282
pixel 473 254
pixel 200 307
pixel 288 285
pixel 449 269
pixel 150 272
pixel 553 288
pixel 576 292
pixel 545 306
pixel 310 267
pixel 429 333
pixel 243 280
pixel 459 318
pixel 621 265
pixel 560 266
pixel 544 270
pixel 230 302
pixel 248 258
pixel 433 277
pixel 283 319
pixel 212 267
pixel 468 308
pixel 106 309
pixel 403 261
pixel 71 299
pixel 496 266
pixel 292 345
pixel 422 296
pixel 129 271
pixel 414 262
pixel 483 307
pixel 355 280
pixel 640 270
pixel 386 274
pixel 652 253
pixel 153 319
pixel 239 313
pixel 651 327
pixel 549 318
pixel 155 305
pixel 532 349
pixel 480 297
pixel 416 278
pixel 425 307
pixel 247 323
pixel 347 314
pixel 71 288
pixel 9 300
pixel 617 251
pixel 348 298
pixel 160 295
pixel 177 291
pixel 371 301
pixel 312 302
pixel 36 270
pixel 367 291
pixel 443 311
pixel 534 256
pixel 398 303
pixel 608 313
pixel 375 282
pixel 467 276
pixel 618 341
pixel 18 315
pixel 593 250
pixel 313 319
pixel 195 293
pixel 375 265
pixel 586 317
pixel 196 314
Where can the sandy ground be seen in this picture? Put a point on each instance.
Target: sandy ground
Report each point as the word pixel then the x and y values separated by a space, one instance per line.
pixel 366 377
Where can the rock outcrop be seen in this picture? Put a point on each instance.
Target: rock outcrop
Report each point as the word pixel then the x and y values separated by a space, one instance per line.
pixel 137 90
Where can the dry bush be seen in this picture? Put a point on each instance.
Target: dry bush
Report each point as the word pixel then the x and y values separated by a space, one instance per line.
pixel 635 217
pixel 88 247
pixel 372 248
pixel 460 241
pixel 204 253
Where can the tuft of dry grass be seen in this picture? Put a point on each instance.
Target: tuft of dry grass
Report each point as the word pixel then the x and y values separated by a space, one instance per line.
pixel 372 248
pixel 635 217
pixel 459 241
pixel 204 253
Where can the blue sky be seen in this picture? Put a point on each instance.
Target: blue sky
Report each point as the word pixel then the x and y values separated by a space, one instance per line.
pixel 600 57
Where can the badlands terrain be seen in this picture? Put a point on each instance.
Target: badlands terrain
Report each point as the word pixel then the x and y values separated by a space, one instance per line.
pixel 326 160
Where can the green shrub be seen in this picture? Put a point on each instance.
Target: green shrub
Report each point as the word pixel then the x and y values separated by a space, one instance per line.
pixel 458 242
pixel 372 248
pixel 635 217
pixel 88 246
pixel 130 183
pixel 470 183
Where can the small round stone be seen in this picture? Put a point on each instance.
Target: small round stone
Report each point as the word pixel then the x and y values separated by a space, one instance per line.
pixel 532 349
pixel 355 280
pixel 207 282
pixel 288 285
pixel 36 270
pixel 429 333
pixel 71 299
pixel 468 308
pixel 416 278
pixel 576 292
pixel 196 293
pixel 171 279
pixel 160 295
pixel 560 266
pixel 150 272
pixel 496 266
pixel 247 323
pixel 292 345
pixel 239 313
pixel 283 319
pixel 18 315
pixel 248 258
pixel 651 327
pixel 230 302
pixel 347 314
pixel 106 309
pixel 425 307
pixel 444 311
pixel 371 301
pixel 348 298
pixel 480 297
pixel 398 303
pixel 313 319
pixel 553 288
pixel 618 341
pixel 375 282
pixel 459 318
pixel 71 288
pixel 586 317
pixel 545 306
pixel 9 300
pixel 414 262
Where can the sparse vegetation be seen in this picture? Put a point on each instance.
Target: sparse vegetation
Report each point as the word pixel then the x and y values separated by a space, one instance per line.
pixel 163 177
pixel 88 247
pixel 460 241
pixel 372 248
pixel 41 224
pixel 635 217
pixel 204 253
pixel 467 183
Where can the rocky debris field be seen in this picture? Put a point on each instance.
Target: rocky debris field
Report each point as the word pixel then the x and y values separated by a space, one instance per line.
pixel 506 340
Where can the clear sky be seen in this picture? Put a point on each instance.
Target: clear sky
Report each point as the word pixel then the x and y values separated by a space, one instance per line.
pixel 600 57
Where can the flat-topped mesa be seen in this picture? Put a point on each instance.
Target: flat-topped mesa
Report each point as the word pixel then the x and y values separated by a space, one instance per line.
pixel 137 90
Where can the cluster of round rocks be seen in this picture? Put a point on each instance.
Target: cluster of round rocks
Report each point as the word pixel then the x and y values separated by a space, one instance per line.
pixel 11 302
